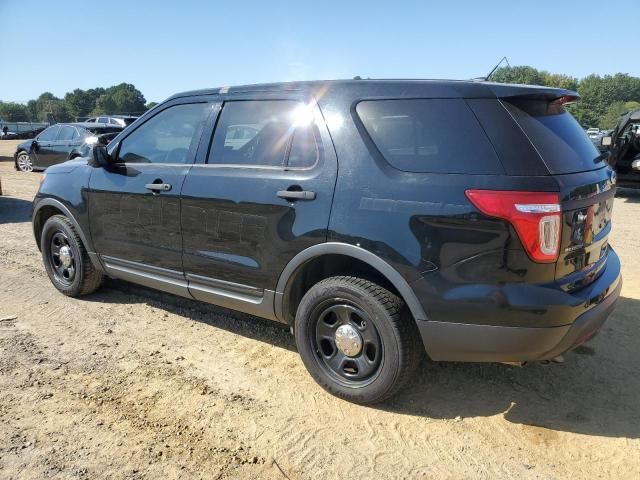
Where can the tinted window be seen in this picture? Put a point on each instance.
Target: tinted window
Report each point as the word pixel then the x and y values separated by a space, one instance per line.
pixel 103 120
pixel 67 133
pixel 561 141
pixel 260 133
pixel 439 136
pixel 167 137
pixel 49 134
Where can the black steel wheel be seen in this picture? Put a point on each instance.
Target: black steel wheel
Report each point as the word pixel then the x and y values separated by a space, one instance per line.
pixel 66 259
pixel 61 257
pixel 346 342
pixel 356 339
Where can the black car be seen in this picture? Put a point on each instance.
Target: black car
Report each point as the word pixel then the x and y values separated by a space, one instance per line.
pixel 58 143
pixel 378 219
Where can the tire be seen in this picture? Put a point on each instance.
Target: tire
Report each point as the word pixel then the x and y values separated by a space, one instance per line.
pixel 24 162
pixel 377 369
pixel 66 260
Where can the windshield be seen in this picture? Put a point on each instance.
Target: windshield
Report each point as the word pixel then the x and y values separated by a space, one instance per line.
pixel 558 137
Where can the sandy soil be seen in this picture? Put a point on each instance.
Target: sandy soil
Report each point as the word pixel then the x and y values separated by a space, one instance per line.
pixel 131 383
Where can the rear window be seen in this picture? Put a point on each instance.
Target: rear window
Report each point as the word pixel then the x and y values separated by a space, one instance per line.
pixel 558 137
pixel 429 135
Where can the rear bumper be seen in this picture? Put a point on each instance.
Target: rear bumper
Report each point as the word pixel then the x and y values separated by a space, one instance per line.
pixel 449 341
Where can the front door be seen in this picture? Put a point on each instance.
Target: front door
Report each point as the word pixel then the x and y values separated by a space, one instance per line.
pixel 43 148
pixel 261 195
pixel 134 203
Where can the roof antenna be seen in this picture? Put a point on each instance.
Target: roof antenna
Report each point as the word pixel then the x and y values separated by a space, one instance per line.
pixel 486 79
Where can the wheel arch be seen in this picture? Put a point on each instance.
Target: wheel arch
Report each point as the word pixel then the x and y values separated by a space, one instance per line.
pixel 45 209
pixel 293 281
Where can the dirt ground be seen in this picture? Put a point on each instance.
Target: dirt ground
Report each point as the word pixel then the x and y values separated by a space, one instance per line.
pixel 131 383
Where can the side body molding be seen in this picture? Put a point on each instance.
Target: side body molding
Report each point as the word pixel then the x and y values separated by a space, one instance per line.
pixel 353 251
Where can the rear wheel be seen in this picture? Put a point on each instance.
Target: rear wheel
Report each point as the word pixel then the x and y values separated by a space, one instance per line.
pixel 355 340
pixel 66 260
pixel 24 162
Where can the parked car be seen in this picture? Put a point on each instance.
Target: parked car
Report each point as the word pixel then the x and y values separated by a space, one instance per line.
pixel 8 135
pixel 593 132
pixel 623 145
pixel 58 143
pixel 378 219
pixel 122 120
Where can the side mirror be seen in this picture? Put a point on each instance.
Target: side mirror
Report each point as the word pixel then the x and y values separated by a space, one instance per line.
pixel 635 165
pixel 605 141
pixel 100 156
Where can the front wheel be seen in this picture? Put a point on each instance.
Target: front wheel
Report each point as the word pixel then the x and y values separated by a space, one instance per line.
pixel 355 340
pixel 66 259
pixel 24 162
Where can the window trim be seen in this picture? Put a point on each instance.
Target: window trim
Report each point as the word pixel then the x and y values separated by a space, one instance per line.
pixel 285 167
pixel 115 152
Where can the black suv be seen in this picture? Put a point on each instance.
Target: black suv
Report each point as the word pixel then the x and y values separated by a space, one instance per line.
pixel 379 219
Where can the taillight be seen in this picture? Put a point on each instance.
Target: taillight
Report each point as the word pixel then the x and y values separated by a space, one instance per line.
pixel 534 215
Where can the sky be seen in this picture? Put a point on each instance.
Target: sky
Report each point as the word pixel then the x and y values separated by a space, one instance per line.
pixel 164 47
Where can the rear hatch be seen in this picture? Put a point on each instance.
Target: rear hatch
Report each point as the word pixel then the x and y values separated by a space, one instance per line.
pixel 586 183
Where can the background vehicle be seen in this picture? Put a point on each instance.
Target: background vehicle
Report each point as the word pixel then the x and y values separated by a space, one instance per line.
pixel 624 147
pixel 58 143
pixel 593 132
pixel 23 129
pixel 469 219
pixel 122 120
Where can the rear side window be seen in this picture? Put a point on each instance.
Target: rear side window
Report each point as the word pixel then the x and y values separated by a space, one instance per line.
pixel 67 133
pixel 429 135
pixel 558 137
pixel 265 133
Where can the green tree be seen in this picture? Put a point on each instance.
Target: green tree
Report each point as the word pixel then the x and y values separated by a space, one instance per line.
pixel 150 105
pixel 50 108
pixel 559 80
pixel 81 103
pixel 614 111
pixel 13 112
pixel 120 99
pixel 523 74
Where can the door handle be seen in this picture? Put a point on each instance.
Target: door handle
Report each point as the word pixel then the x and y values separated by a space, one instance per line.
pixel 158 187
pixel 297 195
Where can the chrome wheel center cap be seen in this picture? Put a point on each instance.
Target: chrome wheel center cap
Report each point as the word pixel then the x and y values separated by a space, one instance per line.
pixel 65 256
pixel 348 340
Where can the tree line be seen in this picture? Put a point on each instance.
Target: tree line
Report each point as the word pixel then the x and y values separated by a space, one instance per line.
pixel 602 98
pixel 123 99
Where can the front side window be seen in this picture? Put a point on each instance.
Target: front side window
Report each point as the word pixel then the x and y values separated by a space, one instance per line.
pixel 265 133
pixel 429 135
pixel 49 134
pixel 165 138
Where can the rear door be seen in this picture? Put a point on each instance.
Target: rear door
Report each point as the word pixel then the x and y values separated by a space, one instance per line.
pixel 134 204
pixel 64 143
pixel 259 195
